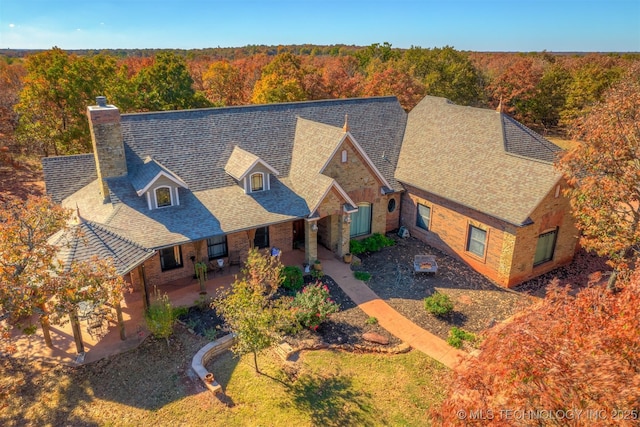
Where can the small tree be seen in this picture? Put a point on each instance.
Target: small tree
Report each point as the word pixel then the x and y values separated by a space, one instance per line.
pixel 27 260
pixel 249 308
pixel 161 317
pixel 95 282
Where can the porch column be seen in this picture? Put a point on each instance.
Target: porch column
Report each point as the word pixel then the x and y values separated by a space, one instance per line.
pixel 310 242
pixel 344 235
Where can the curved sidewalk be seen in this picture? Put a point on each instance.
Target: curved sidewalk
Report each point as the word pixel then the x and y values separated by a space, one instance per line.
pixel 389 318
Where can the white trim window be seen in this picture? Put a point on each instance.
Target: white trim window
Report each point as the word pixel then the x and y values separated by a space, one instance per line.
pixel 477 241
pixel 257 182
pixel 163 196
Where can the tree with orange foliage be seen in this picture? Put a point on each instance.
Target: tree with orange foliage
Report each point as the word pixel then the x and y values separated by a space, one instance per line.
pixel 392 81
pixel 604 174
pixel 570 356
pixel 27 260
pixel 94 282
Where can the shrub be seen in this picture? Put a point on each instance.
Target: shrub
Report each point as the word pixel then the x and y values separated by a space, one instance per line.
pixel 211 334
pixel 356 247
pixel 457 336
pixel 371 320
pixel 293 278
pixel 313 305
pixel 160 317
pixel 362 275
pixel 438 304
pixel 371 244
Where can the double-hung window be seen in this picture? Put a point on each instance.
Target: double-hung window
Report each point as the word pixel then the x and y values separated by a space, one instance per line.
pixel 477 241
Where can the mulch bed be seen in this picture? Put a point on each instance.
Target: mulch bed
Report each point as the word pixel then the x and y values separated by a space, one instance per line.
pixel 478 302
pixel 345 327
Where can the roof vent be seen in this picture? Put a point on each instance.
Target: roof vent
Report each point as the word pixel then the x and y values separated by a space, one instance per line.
pixel 101 101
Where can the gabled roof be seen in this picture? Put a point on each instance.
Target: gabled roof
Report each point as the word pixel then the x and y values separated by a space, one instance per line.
pixel 149 172
pixel 314 145
pixel 478 158
pixel 242 162
pixel 88 239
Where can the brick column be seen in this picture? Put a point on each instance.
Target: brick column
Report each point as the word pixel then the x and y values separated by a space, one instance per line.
pixel 310 243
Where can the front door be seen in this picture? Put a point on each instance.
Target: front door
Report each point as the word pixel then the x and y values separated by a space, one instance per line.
pixel 298 234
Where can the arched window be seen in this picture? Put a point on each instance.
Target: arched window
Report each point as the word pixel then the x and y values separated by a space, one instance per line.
pixel 163 197
pixel 257 182
pixel 344 156
pixel 361 220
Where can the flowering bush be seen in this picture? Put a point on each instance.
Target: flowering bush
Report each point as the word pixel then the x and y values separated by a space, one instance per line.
pixel 313 305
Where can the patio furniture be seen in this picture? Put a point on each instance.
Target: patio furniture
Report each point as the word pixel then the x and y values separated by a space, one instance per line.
pixel 217 265
pixel 425 264
pixel 234 258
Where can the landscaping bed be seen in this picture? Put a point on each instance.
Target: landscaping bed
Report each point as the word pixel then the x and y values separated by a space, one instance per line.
pixel 478 303
pixel 347 326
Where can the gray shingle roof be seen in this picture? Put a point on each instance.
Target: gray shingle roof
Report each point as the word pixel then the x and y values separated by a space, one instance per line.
pixel 459 153
pixel 88 239
pixel 241 162
pixel 522 141
pixel 196 144
pixel 64 175
pixel 149 170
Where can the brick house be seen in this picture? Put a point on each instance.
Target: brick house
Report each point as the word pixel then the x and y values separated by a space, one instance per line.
pixel 482 186
pixel 208 184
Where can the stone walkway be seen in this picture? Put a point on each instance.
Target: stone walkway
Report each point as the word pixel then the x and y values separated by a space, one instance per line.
pixel 389 318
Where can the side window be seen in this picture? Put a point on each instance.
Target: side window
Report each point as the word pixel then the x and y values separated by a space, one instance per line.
pixel 423 218
pixel 477 241
pixel 163 197
pixel 546 247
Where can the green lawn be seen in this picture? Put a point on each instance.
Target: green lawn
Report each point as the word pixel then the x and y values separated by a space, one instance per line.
pixel 331 389
pixel 153 385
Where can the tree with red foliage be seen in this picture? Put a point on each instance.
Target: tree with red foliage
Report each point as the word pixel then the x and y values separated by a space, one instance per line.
pixel 569 353
pixel 604 174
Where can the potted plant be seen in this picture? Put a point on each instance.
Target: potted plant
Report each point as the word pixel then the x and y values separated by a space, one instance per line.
pixel 209 377
pixel 347 258
pixel 317 265
pixel 201 275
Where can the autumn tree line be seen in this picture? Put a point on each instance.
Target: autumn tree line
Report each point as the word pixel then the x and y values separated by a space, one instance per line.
pixel 44 95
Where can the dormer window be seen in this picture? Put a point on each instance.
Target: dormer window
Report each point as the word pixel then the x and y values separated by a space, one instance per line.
pixel 163 197
pixel 257 182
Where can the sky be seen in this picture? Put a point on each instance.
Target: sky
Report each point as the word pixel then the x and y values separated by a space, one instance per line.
pixel 473 25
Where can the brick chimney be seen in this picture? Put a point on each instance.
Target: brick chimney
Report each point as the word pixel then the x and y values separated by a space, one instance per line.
pixel 108 146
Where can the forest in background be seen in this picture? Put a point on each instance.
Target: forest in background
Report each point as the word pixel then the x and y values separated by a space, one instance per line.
pixel 44 94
